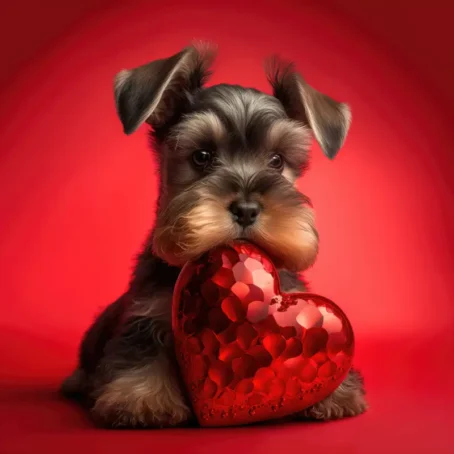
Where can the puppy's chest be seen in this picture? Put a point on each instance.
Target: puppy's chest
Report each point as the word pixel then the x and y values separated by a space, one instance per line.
pixel 155 307
pixel 159 305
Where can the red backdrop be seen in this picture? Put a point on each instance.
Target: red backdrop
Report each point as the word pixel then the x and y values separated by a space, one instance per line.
pixel 77 198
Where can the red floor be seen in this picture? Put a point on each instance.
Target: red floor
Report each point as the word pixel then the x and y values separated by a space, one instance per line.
pixel 411 411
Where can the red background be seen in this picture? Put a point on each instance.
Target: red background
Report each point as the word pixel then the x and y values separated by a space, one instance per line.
pixel 77 197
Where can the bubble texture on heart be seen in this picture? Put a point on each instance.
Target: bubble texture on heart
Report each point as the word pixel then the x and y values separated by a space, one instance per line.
pixel 248 352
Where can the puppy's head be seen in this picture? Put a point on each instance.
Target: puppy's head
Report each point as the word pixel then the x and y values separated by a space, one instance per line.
pixel 229 156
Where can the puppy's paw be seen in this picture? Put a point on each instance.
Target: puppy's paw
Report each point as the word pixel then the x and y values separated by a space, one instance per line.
pixel 332 408
pixel 347 400
pixel 142 397
pixel 137 415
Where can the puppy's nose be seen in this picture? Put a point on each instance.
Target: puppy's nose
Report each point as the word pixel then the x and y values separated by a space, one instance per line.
pixel 245 213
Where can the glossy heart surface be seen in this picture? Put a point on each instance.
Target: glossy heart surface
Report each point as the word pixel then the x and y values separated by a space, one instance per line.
pixel 247 351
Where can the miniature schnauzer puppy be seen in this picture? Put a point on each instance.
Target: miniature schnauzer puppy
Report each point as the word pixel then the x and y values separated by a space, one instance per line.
pixel 229 158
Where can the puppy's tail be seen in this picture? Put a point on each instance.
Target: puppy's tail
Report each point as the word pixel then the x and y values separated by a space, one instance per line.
pixel 73 387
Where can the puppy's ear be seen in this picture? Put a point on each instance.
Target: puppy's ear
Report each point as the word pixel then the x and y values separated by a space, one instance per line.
pixel 328 119
pixel 153 92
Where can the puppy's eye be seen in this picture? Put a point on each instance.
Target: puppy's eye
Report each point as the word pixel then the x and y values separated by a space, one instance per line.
pixel 276 162
pixel 202 158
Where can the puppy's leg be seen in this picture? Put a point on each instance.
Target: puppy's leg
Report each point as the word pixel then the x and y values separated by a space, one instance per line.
pixel 77 385
pixel 136 383
pixel 142 395
pixel 347 400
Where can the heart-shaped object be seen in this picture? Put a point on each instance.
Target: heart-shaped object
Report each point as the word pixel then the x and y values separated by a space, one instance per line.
pixel 248 352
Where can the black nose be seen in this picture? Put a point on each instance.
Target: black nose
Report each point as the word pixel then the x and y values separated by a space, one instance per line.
pixel 245 213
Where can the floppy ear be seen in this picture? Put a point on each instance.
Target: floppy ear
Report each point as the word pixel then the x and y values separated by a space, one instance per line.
pixel 328 119
pixel 153 92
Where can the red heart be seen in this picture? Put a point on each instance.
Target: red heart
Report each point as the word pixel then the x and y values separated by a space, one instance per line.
pixel 248 352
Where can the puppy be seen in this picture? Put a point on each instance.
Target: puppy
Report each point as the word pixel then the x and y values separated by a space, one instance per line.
pixel 228 157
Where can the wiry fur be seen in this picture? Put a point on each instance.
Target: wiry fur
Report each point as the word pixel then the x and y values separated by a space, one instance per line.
pixel 144 395
pixel 347 400
pixel 127 373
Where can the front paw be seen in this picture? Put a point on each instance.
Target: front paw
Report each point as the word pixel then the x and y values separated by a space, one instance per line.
pixel 142 397
pixel 332 408
pixel 120 416
pixel 347 400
